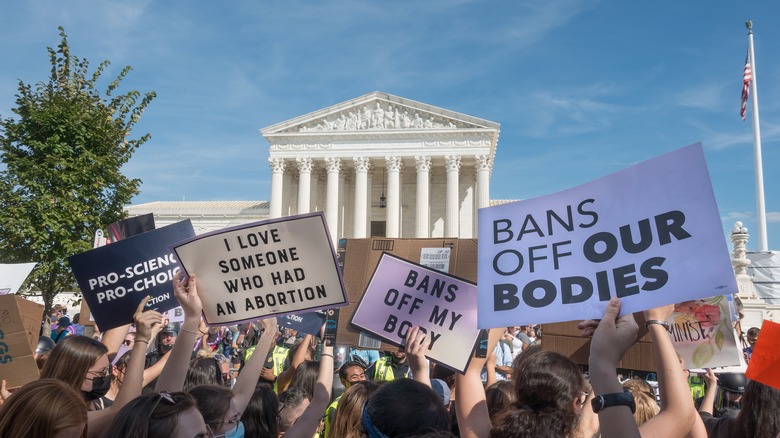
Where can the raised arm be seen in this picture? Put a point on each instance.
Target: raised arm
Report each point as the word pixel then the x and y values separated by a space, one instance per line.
pixel 612 336
pixel 175 370
pixel 470 404
pixel 678 413
pixel 285 377
pixel 416 346
pixel 247 379
pixel 307 423
pixel 114 337
pixel 708 403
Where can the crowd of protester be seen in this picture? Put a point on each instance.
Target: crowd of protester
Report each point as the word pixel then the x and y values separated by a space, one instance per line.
pixel 157 379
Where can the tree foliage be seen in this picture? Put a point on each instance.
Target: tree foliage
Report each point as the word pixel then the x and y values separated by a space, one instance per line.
pixel 62 155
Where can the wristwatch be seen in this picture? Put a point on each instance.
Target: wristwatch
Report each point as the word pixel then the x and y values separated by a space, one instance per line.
pixel 664 324
pixel 603 401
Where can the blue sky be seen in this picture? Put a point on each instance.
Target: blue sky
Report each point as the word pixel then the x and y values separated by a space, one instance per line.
pixel 581 88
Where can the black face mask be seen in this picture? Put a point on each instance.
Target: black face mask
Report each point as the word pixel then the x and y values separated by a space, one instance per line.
pixel 100 386
pixel 164 348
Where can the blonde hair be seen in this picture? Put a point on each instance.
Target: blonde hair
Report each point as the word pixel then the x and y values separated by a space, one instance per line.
pixel 644 398
pixel 347 422
pixel 41 409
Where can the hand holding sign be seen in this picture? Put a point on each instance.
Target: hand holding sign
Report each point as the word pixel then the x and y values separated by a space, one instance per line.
pixel 416 346
pixel 145 322
pixel 186 291
pixel 613 336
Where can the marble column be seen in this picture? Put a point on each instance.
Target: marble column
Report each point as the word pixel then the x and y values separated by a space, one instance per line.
pixel 451 216
pixel 361 197
pixel 422 223
pixel 304 185
pixel 277 181
pixel 482 166
pixel 333 165
pixel 393 217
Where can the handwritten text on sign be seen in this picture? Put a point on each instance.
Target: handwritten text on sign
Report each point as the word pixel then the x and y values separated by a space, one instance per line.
pixel 273 267
pixel 402 294
pixel 650 234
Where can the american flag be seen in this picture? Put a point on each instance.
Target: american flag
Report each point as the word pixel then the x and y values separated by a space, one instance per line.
pixel 747 77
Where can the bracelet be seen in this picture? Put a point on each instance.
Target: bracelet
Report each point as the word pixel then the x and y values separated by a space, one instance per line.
pixel 326 354
pixel 144 341
pixel 665 324
pixel 193 332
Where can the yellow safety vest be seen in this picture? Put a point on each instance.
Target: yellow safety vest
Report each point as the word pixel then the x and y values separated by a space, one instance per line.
pixel 384 371
pixel 331 409
pixel 279 355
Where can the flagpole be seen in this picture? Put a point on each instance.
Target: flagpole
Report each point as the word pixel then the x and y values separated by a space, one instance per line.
pixel 760 208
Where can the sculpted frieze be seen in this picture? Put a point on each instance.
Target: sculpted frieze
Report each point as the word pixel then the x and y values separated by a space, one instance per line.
pixel 379 116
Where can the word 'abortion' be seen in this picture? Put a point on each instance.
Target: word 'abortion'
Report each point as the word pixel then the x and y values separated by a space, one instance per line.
pixel 597 248
pixel 274 299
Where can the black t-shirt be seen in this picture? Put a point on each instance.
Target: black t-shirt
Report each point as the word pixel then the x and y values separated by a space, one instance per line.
pixel 717 427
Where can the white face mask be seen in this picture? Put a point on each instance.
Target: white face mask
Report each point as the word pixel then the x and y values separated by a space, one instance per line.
pixel 515 332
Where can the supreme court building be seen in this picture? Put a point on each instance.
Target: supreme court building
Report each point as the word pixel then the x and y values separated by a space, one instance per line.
pixel 377 165
pixel 382 165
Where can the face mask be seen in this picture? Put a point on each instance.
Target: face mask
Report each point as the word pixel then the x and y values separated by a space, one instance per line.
pixel 100 386
pixel 235 433
pixel 515 332
pixel 165 348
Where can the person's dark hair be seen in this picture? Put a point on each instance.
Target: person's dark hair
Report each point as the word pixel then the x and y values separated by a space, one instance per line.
pixel 289 402
pixel 42 409
pixel 347 365
pixel 151 416
pixel 306 377
pixel 753 331
pixel 203 371
pixel 213 402
pixel 76 318
pixel 260 416
pixel 499 395
pixel 405 408
pixel 546 384
pixel 759 413
pixel 70 360
pixel 443 373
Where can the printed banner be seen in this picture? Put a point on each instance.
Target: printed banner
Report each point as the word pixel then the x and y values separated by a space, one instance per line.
pixel 650 234
pixel 274 267
pixel 309 323
pixel 115 278
pixel 12 276
pixel 402 294
pixel 702 333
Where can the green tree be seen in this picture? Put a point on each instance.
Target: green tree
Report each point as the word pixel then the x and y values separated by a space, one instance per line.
pixel 62 155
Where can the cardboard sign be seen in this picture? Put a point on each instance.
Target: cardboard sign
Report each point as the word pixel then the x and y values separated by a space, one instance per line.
pixel 20 323
pixel 115 278
pixel 13 275
pixel 402 294
pixel 702 333
pixel 274 267
pixel 764 365
pixel 650 234
pixel 309 322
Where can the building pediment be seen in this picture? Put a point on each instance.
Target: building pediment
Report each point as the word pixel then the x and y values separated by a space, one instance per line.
pixel 378 113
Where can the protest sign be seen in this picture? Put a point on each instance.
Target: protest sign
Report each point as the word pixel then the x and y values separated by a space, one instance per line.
pixel 176 314
pixel 764 364
pixel 702 333
pixel 402 294
pixel 20 323
pixel 130 227
pixel 12 275
pixel 650 235
pixel 309 322
pixel 115 278
pixel 273 267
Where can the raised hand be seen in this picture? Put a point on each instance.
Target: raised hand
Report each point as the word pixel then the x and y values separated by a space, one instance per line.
pixel 146 321
pixel 613 335
pixel 186 292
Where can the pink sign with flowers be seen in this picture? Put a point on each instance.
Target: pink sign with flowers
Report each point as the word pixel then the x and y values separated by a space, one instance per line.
pixel 703 334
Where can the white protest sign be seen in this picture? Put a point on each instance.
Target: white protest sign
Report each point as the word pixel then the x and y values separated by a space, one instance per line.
pixel 13 275
pixel 402 294
pixel 274 267
pixel 702 333
pixel 650 234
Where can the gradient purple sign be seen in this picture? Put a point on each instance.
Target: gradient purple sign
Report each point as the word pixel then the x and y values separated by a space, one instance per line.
pixel 402 294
